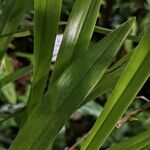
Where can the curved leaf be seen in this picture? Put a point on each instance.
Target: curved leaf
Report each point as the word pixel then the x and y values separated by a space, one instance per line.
pixel 69 92
pixel 136 143
pixel 132 79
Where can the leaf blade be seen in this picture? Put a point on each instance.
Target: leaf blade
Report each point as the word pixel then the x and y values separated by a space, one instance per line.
pixel 110 78
pixel 138 142
pixel 67 93
pixel 135 74
pixel 10 18
pixel 15 75
pixel 77 35
pixel 106 83
pixel 47 13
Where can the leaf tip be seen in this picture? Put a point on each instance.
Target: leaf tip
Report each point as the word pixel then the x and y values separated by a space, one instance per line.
pixel 133 19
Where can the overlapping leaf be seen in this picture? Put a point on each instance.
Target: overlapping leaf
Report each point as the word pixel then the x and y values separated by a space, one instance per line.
pixel 68 92
pixel 106 84
pixel 77 34
pixel 47 13
pixel 110 78
pixel 11 16
pixel 136 143
pixel 132 79
pixel 15 75
pixel 9 89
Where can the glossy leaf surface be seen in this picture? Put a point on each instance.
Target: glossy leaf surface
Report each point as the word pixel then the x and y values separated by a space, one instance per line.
pixel 132 79
pixel 69 92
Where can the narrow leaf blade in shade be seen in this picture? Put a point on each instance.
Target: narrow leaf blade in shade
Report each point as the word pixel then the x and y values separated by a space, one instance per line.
pixel 47 14
pixel 70 90
pixel 131 81
pixel 15 75
pixel 8 90
pixel 10 19
pixel 135 143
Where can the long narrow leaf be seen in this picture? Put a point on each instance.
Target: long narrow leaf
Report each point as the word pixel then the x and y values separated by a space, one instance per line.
pixel 11 16
pixel 9 89
pixel 69 92
pixel 110 78
pixel 47 13
pixel 87 30
pixel 77 34
pixel 106 84
pixel 132 79
pixel 136 143
pixel 97 29
pixel 15 75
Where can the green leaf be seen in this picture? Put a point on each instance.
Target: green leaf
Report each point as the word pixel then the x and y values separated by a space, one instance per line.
pixel 26 31
pixel 136 143
pixel 97 29
pixel 106 31
pixel 8 90
pixel 9 93
pixel 77 34
pixel 106 84
pixel 87 30
pixel 70 90
pixel 10 18
pixel 47 14
pixel 110 78
pixel 122 61
pixel 15 75
pixel 132 79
